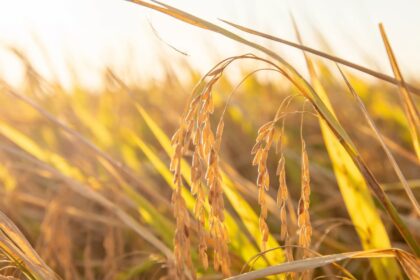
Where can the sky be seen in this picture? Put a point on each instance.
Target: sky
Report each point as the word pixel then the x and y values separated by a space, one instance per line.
pixel 88 35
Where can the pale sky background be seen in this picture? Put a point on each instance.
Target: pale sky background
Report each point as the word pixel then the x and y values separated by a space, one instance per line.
pixel 91 34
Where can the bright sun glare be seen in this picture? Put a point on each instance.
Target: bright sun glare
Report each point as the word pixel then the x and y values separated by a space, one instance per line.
pixel 80 34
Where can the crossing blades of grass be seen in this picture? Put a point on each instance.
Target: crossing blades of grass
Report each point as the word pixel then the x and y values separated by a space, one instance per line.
pixel 306 90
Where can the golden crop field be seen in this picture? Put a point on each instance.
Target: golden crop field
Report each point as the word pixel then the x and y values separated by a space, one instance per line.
pixel 291 176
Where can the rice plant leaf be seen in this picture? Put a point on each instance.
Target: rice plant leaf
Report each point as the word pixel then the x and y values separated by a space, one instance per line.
pixel 358 199
pixel 160 166
pixel 161 224
pixel 101 133
pixel 355 193
pixel 102 136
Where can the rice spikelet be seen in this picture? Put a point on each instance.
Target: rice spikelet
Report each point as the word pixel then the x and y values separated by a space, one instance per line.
pixel 260 150
pixel 182 243
pixel 263 143
pixel 196 130
pixel 282 196
pixel 304 222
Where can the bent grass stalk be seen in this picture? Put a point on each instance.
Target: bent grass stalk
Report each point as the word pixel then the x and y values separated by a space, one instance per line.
pixel 336 59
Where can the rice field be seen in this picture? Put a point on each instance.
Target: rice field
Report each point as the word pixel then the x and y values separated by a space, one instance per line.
pixel 280 175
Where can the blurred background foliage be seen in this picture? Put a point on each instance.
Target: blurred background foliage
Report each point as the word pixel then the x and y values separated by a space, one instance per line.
pixel 58 146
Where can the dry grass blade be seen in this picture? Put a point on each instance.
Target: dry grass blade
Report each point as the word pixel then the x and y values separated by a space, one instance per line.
pixel 378 75
pixel 391 158
pixel 15 246
pixel 409 107
pixel 410 263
